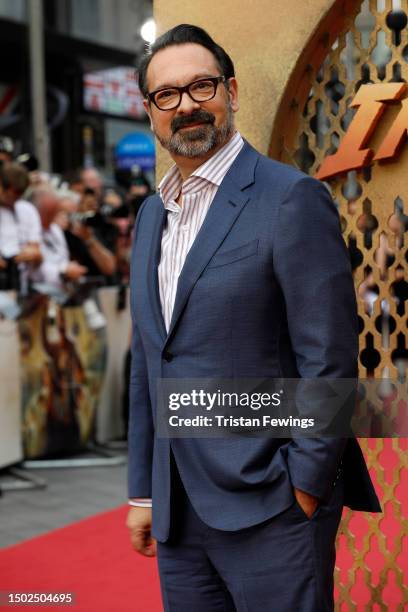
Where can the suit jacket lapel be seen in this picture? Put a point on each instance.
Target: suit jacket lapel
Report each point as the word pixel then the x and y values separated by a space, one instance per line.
pixel 159 221
pixel 227 205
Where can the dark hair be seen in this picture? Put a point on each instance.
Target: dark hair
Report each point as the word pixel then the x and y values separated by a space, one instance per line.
pixel 14 176
pixel 180 35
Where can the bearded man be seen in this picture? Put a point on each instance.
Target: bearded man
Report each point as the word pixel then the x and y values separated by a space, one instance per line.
pixel 239 270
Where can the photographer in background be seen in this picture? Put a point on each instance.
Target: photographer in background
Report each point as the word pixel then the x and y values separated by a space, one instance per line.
pixel 92 239
pixel 20 229
pixel 92 182
pixel 136 188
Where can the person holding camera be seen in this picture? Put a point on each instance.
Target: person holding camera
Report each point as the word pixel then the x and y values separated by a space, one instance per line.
pixel 91 239
pixel 20 229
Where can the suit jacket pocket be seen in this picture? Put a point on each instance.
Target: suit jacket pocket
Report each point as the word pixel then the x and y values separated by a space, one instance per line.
pixel 228 257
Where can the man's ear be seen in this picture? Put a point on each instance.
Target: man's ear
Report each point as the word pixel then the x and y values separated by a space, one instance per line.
pixel 146 106
pixel 233 93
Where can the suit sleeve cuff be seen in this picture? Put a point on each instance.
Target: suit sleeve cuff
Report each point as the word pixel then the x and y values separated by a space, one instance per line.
pixel 140 502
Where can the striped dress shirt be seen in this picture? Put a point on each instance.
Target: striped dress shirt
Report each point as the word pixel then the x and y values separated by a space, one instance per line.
pixel 184 221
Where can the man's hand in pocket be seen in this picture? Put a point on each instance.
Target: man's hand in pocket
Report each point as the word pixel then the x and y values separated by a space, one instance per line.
pixel 307 502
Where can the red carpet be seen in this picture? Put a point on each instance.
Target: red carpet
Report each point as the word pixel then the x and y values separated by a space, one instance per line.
pixel 91 558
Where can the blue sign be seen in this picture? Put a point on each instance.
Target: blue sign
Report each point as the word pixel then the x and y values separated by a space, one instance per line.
pixel 136 148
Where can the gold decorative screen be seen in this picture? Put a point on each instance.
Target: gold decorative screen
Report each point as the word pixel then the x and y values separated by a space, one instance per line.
pixel 371 48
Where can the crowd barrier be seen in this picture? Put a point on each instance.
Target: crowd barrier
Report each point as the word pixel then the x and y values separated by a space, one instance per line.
pixel 11 444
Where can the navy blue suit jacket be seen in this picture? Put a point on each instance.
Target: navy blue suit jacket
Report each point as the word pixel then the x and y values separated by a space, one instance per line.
pixel 266 291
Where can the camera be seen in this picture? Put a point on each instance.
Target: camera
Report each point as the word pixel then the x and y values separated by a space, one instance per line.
pixel 93 218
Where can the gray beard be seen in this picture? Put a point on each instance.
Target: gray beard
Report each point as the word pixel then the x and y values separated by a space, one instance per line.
pixel 199 141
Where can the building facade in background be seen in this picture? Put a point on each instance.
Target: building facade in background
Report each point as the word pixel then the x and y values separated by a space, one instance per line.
pixel 91 49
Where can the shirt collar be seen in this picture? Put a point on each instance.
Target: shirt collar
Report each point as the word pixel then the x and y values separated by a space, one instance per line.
pixel 211 171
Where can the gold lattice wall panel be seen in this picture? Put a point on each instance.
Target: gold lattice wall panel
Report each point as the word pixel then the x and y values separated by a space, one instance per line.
pixel 371 48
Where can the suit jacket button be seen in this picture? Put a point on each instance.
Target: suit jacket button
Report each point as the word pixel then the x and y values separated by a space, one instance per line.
pixel 337 475
pixel 167 356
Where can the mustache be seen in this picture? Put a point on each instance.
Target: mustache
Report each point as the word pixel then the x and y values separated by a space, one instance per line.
pixel 199 116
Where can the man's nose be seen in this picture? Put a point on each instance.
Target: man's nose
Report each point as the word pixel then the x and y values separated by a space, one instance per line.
pixel 187 105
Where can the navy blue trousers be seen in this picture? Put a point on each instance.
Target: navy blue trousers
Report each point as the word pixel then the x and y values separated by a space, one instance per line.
pixel 285 564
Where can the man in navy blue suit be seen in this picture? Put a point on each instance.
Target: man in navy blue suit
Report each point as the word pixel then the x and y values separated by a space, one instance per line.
pixel 239 270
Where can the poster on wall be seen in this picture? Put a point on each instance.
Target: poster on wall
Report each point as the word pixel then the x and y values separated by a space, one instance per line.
pixel 63 365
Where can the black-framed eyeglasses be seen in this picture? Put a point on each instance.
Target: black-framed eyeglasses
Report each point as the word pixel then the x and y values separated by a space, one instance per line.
pixel 202 90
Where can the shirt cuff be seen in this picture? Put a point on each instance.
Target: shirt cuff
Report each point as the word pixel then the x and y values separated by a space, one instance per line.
pixel 140 502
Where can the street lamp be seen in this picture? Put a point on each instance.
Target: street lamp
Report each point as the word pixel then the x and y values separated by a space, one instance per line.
pixel 148 31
